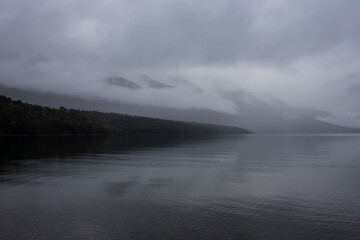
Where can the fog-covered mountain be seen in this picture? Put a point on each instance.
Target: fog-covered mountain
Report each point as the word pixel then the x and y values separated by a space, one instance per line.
pixel 121 82
pixel 143 81
pixel 180 82
pixel 251 112
pixel 146 81
pixel 275 115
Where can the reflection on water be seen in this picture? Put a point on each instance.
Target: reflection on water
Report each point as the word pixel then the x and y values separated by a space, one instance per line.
pixel 162 187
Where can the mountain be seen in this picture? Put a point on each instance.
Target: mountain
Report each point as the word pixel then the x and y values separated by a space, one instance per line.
pixel 152 83
pixel 17 117
pixel 121 82
pixel 141 81
pixel 257 115
pixel 180 82
pixel 277 116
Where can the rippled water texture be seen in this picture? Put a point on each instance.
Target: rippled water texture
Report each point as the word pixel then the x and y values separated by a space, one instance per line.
pixel 157 187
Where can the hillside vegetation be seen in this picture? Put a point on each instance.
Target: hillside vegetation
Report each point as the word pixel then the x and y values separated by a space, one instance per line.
pixel 18 118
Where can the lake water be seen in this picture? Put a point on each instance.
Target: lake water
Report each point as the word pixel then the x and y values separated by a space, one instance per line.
pixel 158 187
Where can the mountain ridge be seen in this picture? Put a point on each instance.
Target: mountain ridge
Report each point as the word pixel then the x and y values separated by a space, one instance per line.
pixel 282 118
pixel 21 118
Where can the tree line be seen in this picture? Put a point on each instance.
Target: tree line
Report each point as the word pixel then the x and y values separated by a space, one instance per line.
pixel 17 118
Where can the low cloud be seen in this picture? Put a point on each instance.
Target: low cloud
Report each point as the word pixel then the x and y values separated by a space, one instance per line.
pixel 303 52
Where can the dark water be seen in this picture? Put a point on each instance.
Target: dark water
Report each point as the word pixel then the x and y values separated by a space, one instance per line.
pixel 157 187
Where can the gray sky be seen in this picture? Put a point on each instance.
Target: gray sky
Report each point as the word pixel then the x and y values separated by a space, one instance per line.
pixel 304 52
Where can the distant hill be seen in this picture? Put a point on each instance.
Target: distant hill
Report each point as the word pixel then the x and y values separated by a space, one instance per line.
pixel 17 117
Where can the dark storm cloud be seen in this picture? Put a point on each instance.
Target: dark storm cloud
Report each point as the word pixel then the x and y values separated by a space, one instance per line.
pixel 291 49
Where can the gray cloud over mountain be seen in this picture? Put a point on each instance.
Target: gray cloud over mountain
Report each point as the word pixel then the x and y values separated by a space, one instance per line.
pixel 303 52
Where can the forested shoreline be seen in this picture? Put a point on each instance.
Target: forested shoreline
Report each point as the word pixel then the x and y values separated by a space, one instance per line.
pixel 18 118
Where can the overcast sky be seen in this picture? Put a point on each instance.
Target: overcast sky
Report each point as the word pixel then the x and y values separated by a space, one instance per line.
pixel 304 52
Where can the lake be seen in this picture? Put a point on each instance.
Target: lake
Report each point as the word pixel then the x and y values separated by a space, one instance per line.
pixel 163 187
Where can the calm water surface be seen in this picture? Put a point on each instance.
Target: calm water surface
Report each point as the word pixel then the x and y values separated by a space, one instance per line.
pixel 157 187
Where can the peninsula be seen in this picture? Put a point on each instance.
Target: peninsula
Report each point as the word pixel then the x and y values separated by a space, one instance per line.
pixel 18 118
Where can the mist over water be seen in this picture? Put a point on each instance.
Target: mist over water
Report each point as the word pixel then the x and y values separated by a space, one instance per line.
pixel 162 187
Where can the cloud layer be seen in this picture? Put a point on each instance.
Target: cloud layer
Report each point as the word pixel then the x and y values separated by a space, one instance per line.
pixel 304 52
